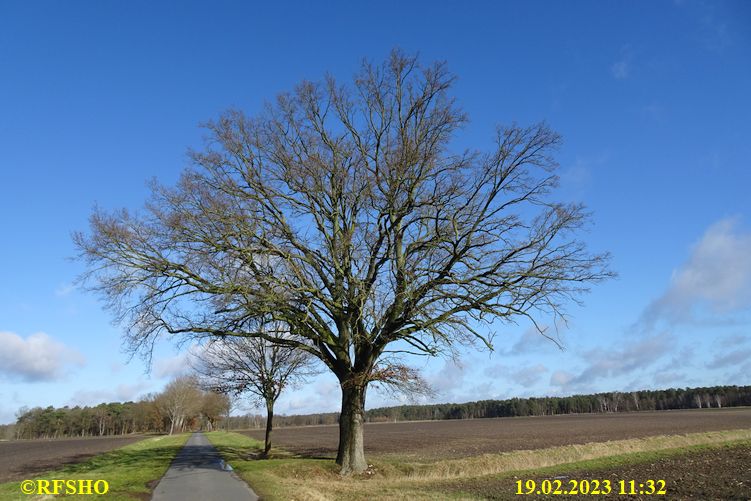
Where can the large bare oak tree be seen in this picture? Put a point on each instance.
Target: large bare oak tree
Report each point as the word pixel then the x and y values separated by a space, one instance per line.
pixel 345 213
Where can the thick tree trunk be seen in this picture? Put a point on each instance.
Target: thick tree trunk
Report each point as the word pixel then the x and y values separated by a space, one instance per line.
pixel 351 456
pixel 269 427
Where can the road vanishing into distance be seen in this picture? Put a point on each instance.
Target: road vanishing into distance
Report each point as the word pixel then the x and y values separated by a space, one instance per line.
pixel 198 473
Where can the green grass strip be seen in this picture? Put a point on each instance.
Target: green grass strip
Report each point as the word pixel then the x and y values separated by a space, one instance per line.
pixel 129 471
pixel 243 452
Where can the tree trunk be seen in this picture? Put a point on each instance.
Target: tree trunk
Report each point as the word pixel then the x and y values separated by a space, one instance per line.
pixel 269 427
pixel 351 455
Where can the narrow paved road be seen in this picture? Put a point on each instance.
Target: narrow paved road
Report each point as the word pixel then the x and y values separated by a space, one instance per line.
pixel 196 473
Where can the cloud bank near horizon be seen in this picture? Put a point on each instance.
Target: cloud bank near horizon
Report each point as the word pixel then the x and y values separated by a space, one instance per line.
pixel 38 358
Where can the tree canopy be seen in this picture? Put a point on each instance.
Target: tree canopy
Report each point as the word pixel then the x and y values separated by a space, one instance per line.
pixel 344 213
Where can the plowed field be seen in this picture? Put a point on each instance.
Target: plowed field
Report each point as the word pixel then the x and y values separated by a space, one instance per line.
pixel 714 473
pixel 25 458
pixel 461 438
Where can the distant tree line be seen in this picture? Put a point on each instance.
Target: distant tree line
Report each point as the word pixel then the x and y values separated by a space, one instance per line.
pixel 281 420
pixel 201 409
pixel 181 406
pixel 616 401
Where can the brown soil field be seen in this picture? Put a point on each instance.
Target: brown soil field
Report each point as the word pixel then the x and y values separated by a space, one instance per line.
pixel 433 440
pixel 713 473
pixel 25 458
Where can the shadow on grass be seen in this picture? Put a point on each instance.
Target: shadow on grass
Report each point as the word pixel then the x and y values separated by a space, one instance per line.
pixel 89 461
pixel 313 453
pixel 131 472
pixel 234 453
pixel 83 463
pixel 37 467
pixel 125 458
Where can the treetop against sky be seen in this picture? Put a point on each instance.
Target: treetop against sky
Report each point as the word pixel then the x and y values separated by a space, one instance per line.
pixel 649 98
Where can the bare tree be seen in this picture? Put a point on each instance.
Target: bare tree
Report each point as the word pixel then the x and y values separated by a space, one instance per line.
pixel 635 398
pixel 616 397
pixel 343 213
pixel 254 366
pixel 180 400
pixel 213 405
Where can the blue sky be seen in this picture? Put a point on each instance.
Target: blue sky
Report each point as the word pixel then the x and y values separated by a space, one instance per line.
pixel 652 100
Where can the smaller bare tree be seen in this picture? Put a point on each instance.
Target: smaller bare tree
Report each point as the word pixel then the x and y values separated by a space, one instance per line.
pixel 213 405
pixel 179 400
pixel 255 367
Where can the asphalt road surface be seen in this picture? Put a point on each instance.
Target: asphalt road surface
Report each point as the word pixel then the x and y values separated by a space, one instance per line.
pixel 197 473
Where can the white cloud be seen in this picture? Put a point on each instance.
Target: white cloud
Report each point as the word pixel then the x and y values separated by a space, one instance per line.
pixel 524 376
pixel 664 378
pixel 450 378
pixel 577 179
pixel 561 378
pixel 713 31
pixel 620 69
pixel 683 358
pixel 529 376
pixel 712 24
pixel 531 341
pixel 717 275
pixel 64 290
pixel 176 366
pixel 608 363
pixel 321 394
pixel 36 358
pixel 742 376
pixel 172 367
pixel 633 356
pixel 11 405
pixel 486 390
pixel 497 371
pixel 654 111
pixel 7 415
pixel 730 358
pixel 121 393
pixel 733 340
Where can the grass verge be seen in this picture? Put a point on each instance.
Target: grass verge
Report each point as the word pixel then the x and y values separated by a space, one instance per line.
pixel 284 477
pixel 129 471
pixel 269 477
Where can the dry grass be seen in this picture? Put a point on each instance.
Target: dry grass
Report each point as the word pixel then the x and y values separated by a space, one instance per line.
pixel 296 478
pixel 488 464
